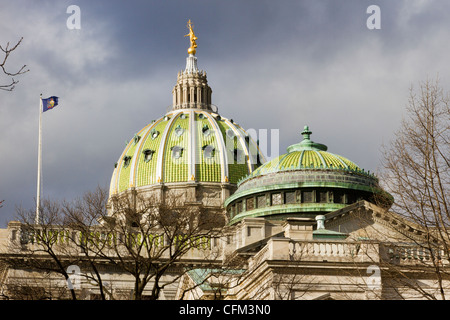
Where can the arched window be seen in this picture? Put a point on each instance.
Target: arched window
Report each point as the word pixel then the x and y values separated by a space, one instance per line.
pixel 206 130
pixel 177 152
pixel 126 161
pixel 154 134
pixel 179 131
pixel 148 154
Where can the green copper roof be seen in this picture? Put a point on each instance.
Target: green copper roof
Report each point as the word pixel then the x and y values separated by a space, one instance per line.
pixel 307 180
pixel 186 145
pixel 307 155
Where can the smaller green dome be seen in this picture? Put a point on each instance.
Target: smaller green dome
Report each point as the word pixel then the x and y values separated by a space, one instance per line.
pixel 306 155
pixel 307 181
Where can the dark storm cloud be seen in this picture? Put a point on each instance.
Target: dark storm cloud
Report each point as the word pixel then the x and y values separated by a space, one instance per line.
pixel 271 65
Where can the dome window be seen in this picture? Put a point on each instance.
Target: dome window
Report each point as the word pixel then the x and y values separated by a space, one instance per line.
pixel 230 134
pixel 154 134
pixel 276 199
pixel 247 140
pixel 323 196
pixel 148 154
pixel 261 201
pixel 177 152
pixel 136 138
pixel 183 116
pixel 126 161
pixel 206 131
pixel 201 116
pixel 289 197
pixel 179 131
pixel 166 118
pixel 208 151
pixel 250 204
pixel 239 207
pixel 307 196
pixel 339 197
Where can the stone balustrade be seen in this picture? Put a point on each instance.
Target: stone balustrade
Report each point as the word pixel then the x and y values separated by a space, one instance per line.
pixel 63 240
pixel 337 251
pixel 407 254
pixel 349 251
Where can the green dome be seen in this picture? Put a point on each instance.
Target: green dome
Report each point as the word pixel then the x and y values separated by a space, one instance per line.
pixel 186 145
pixel 306 155
pixel 307 181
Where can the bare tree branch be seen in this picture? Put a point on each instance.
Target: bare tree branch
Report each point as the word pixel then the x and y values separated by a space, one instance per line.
pixel 142 238
pixel 417 173
pixel 7 51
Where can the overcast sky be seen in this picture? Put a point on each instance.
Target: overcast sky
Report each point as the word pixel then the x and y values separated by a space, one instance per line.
pixel 271 65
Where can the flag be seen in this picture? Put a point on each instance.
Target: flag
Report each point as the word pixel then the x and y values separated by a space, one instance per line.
pixel 49 103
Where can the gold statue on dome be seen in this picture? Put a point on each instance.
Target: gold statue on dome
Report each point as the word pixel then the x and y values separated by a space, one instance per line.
pixel 192 37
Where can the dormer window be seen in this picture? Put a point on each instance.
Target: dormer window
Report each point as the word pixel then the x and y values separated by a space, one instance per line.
pixel 206 131
pixel 126 161
pixel 154 134
pixel 136 138
pixel 148 154
pixel 177 152
pixel 208 151
pixel 230 134
pixel 179 131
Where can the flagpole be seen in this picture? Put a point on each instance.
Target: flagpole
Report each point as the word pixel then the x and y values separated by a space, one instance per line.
pixel 38 195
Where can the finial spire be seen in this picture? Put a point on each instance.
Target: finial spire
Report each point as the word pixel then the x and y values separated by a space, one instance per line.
pixel 192 49
pixel 306 143
pixel 306 133
pixel 192 90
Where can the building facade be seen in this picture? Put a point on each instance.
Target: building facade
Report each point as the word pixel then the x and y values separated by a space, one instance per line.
pixel 309 224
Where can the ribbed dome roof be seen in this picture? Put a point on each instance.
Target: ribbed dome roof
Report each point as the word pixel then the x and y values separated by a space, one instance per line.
pixel 190 143
pixel 307 159
pixel 186 145
pixel 306 181
pixel 307 155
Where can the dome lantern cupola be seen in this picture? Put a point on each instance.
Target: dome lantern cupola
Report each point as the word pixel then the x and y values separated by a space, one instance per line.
pixel 192 89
